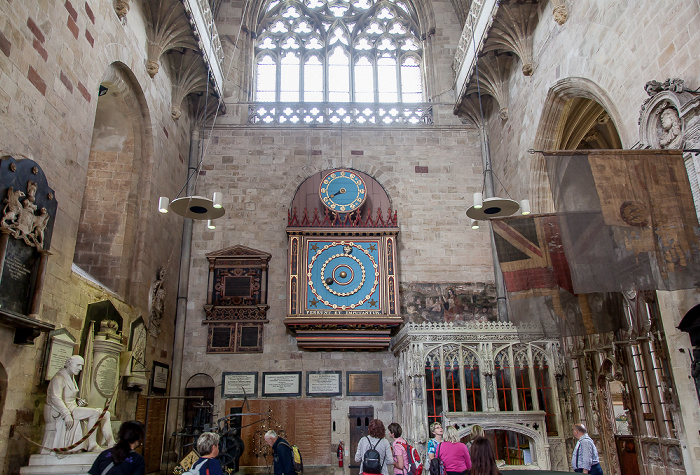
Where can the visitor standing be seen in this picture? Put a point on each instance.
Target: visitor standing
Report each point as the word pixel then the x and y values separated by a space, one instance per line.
pixel 375 441
pixel 483 459
pixel 121 458
pixel 454 454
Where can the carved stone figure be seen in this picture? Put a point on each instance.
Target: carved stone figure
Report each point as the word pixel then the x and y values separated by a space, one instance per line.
pixel 65 413
pixel 122 8
pixel 152 67
pixel 670 135
pixel 40 223
pixel 560 12
pixel 25 221
pixel 12 207
pixel 156 304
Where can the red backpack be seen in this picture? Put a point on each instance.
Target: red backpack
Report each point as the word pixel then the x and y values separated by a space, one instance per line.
pixel 415 467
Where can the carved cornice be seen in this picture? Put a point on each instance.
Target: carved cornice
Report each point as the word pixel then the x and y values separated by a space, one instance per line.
pixel 173 25
pixel 494 74
pixel 167 29
pixel 477 332
pixel 559 11
pixel 513 30
pixel 469 108
pixel 187 78
pixel 121 8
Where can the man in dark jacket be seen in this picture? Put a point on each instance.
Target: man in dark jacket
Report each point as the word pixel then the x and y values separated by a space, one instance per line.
pixel 283 458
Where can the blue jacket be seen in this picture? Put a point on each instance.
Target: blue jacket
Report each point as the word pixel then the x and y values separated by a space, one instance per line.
pixel 283 458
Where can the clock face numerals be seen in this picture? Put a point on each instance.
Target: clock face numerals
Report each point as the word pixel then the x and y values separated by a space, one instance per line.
pixel 343 191
pixel 343 275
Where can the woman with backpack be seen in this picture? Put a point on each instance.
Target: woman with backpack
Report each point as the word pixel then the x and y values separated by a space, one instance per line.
pixel 399 447
pixel 436 431
pixel 121 459
pixel 374 451
pixel 453 453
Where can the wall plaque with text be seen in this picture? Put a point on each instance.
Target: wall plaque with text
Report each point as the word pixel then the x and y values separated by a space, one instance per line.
pixel 364 383
pixel 324 383
pixel 278 383
pixel 239 384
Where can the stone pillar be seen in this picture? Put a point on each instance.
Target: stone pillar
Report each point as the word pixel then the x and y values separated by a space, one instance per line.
pixel 105 368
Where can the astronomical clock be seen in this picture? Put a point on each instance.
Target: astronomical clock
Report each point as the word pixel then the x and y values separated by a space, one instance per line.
pixel 343 286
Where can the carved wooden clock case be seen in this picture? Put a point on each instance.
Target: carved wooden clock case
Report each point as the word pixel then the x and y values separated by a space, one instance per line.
pixel 342 286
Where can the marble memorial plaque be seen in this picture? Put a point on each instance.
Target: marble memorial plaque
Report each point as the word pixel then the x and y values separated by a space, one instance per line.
pixel 160 377
pixel 105 379
pixel 239 384
pixel 364 383
pixel 17 276
pixel 60 352
pixel 324 383
pixel 282 383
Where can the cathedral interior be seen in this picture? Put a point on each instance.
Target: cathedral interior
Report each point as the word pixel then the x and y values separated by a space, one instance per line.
pixel 302 215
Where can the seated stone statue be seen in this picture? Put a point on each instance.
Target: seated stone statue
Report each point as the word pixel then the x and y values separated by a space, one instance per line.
pixel 64 413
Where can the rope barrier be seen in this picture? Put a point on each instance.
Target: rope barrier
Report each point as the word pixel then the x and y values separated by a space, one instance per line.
pixel 67 450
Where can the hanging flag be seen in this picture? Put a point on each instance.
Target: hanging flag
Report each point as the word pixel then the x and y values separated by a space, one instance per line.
pixel 627 219
pixel 538 281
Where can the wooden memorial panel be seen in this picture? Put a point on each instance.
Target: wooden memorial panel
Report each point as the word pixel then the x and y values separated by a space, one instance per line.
pixel 153 413
pixel 306 423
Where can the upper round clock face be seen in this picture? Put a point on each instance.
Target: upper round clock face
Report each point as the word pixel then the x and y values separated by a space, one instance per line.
pixel 342 191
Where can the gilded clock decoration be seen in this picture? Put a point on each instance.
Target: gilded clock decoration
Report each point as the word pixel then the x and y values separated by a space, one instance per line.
pixel 342 191
pixel 352 278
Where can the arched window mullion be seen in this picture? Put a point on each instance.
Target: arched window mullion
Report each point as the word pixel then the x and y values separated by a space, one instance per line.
pixel 279 23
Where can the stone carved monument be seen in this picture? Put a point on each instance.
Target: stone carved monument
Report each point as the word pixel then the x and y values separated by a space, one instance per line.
pixel 670 135
pixel 65 413
pixel 104 374
pixel 27 208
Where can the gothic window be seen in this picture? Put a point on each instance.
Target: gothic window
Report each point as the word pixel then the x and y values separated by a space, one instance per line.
pixel 643 388
pixel 521 368
pixel 338 51
pixel 434 389
pixel 544 391
pixel 452 386
pixel 510 445
pixel 503 387
pixel 659 364
pixel 578 389
pixel 472 383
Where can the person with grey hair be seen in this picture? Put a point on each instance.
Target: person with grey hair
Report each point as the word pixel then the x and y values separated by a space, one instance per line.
pixel 282 455
pixel 453 453
pixel 585 457
pixel 208 448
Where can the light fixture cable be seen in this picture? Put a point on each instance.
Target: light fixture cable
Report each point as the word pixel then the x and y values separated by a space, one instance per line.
pixel 205 143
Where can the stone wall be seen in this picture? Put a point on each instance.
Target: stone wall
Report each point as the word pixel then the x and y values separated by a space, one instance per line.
pixel 53 57
pixel 605 51
pixel 259 170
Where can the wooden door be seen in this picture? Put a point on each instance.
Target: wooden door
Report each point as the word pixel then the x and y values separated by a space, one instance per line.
pixel 359 423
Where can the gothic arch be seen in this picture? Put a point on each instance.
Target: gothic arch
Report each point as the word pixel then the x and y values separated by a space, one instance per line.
pixel 550 128
pixel 112 222
pixel 541 457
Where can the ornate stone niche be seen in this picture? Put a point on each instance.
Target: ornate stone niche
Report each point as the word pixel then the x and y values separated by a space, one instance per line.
pixel 236 306
pixel 343 282
pixel 670 119
pixel 28 212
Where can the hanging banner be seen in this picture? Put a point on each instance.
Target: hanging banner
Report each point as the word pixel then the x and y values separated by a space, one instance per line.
pixel 627 219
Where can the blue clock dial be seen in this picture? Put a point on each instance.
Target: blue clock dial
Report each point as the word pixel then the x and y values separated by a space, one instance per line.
pixel 343 275
pixel 342 191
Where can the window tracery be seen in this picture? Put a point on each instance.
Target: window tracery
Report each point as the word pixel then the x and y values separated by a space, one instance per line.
pixel 338 51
